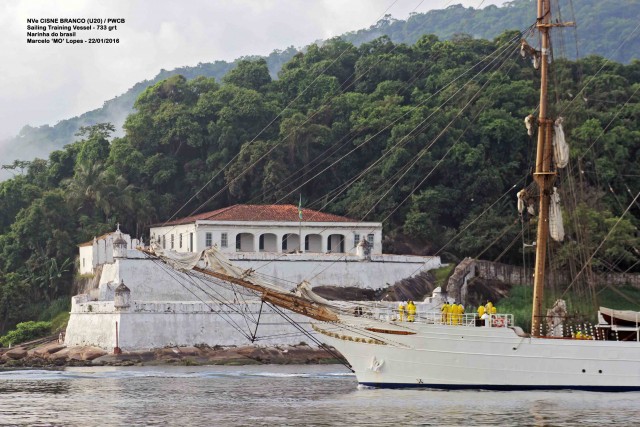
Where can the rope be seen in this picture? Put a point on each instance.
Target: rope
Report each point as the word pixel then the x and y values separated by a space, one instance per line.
pixel 602 243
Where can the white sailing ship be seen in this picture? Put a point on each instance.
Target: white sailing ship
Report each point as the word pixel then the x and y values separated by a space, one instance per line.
pixel 433 350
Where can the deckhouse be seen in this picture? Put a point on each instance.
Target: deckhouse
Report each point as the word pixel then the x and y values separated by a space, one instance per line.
pixel 267 228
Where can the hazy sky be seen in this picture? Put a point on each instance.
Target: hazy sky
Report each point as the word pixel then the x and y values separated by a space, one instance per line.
pixel 42 84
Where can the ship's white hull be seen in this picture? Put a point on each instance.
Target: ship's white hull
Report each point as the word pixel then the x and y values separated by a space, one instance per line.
pixel 446 356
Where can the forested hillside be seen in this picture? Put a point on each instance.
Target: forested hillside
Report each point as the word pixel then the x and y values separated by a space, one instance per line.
pixel 602 26
pixel 428 138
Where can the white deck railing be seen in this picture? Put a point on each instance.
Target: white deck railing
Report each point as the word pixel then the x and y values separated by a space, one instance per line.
pixel 498 320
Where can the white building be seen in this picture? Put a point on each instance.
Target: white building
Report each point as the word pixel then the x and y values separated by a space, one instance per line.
pixel 99 251
pixel 267 228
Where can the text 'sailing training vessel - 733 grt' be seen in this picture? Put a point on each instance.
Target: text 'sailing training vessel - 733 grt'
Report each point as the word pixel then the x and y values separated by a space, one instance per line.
pixel 462 351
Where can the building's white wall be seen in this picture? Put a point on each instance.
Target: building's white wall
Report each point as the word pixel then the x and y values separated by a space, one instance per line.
pixel 161 324
pixel 179 232
pixel 149 280
pixel 336 269
pixel 86 259
pixel 92 328
pixel 255 229
pixel 101 252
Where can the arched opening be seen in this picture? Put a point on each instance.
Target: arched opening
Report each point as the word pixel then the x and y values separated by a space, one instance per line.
pixel 313 243
pixel 268 243
pixel 244 242
pixel 290 243
pixel 335 243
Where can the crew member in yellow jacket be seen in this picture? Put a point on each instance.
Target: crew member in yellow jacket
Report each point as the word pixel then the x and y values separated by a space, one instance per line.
pixel 460 313
pixel 401 312
pixel 481 311
pixel 453 313
pixel 487 307
pixel 445 312
pixel 411 311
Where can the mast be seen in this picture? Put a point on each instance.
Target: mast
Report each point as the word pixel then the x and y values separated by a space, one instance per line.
pixel 543 175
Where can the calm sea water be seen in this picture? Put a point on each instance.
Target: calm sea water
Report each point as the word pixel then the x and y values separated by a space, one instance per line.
pixel 280 395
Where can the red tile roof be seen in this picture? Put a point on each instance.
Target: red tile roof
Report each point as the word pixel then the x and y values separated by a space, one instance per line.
pixel 288 213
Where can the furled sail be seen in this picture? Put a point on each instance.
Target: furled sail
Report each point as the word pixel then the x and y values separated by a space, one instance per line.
pixel 528 122
pixel 522 198
pixel 556 228
pixel 525 201
pixel 304 290
pixel 560 146
pixel 178 260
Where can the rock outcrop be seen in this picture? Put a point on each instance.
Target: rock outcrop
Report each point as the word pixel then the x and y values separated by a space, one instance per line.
pixel 54 354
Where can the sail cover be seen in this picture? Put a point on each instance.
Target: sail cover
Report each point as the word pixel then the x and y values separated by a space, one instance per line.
pixel 560 146
pixel 178 260
pixel 522 196
pixel 556 228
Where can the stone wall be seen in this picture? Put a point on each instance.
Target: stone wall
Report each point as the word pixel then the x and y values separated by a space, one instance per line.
pixel 336 269
pixel 520 276
pixel 161 324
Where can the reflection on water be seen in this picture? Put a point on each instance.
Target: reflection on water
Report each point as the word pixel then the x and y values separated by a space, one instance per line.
pixel 280 395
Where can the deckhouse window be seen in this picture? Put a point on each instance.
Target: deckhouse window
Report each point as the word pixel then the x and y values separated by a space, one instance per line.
pixel 208 241
pixel 224 240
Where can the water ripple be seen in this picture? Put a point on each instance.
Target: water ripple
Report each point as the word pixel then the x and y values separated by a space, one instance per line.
pixel 280 395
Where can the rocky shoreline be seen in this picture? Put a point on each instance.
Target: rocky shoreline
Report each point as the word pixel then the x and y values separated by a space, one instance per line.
pixel 58 355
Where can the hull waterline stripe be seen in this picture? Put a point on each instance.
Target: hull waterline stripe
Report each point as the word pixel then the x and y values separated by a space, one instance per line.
pixel 503 387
